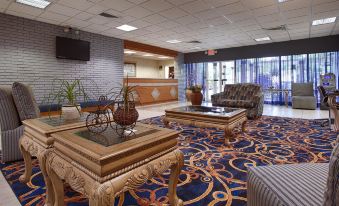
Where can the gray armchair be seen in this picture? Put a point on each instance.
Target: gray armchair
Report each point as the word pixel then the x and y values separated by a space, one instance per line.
pixel 303 96
pixel 306 184
pixel 16 104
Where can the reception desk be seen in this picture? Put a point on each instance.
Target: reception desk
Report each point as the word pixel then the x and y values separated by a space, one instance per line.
pixel 150 91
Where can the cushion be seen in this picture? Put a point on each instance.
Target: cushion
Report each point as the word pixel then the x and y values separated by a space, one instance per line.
pixel 288 185
pixel 25 101
pixel 304 102
pixel 332 188
pixel 302 89
pixel 238 103
pixel 9 118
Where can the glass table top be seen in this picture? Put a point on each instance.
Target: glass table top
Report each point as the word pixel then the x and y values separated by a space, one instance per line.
pixel 56 121
pixel 226 111
pixel 110 137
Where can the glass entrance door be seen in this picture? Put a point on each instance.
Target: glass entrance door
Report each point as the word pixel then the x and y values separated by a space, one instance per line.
pixel 217 75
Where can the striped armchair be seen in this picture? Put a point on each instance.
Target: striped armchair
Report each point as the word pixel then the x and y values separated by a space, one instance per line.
pixel 308 184
pixel 16 104
pixel 246 95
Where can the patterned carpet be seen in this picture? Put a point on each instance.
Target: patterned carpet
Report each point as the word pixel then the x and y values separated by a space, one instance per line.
pixel 213 174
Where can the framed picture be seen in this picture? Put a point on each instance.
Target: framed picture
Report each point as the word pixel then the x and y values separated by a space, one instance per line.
pixel 130 69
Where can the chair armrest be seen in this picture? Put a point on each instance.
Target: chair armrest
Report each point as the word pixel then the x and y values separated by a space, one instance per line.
pixel 218 97
pixel 10 144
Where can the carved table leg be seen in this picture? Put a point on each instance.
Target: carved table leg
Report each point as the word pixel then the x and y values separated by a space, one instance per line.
pixel 173 181
pixel 49 187
pixel 27 159
pixel 58 186
pixel 166 122
pixel 228 136
pixel 243 126
pixel 104 195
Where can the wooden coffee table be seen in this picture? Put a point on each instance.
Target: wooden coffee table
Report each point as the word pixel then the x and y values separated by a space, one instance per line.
pixel 37 140
pixel 102 166
pixel 205 116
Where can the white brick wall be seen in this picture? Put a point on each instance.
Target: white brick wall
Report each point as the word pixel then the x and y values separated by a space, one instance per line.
pixel 27 54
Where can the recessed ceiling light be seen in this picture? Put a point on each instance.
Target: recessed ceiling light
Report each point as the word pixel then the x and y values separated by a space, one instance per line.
pixel 281 1
pixel 126 27
pixel 129 52
pixel 163 57
pixel 324 21
pixel 196 47
pixel 41 4
pixel 263 39
pixel 174 41
pixel 148 55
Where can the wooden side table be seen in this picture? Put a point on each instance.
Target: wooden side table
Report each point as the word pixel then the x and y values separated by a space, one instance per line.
pixel 37 140
pixel 332 102
pixel 102 166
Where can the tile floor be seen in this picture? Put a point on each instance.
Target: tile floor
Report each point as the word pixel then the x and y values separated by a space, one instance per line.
pixel 8 198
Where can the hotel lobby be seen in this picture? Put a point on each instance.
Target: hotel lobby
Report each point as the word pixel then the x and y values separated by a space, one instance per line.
pixel 169 102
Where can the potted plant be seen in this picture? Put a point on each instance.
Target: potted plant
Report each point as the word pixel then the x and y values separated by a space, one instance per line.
pixel 67 94
pixel 196 95
pixel 126 114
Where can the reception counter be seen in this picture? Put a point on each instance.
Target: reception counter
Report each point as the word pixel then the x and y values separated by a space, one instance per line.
pixel 150 91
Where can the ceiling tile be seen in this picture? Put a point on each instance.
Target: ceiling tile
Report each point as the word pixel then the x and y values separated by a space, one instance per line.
pixel 297 12
pixel 21 8
pixel 49 21
pixel 96 27
pixel 208 14
pixel 294 4
pixel 231 9
pixel 99 20
pixel 4 4
pixel 76 23
pixel 137 12
pixel 53 16
pixel 168 24
pixel 20 14
pixel 156 5
pixel 154 28
pixel 155 19
pixel 238 17
pixel 195 6
pixel 187 20
pixel 96 9
pixel 218 3
pixel 258 3
pixel 113 24
pixel 83 16
pixel 267 10
pixel 76 4
pixel 118 5
pixel 173 13
pixel 137 1
pixel 139 23
pixel 64 10
pixel 179 2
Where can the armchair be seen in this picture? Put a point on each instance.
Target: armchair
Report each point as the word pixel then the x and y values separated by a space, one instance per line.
pixel 303 96
pixel 248 96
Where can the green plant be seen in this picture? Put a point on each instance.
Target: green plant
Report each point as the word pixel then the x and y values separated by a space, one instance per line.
pixel 127 93
pixel 67 93
pixel 195 88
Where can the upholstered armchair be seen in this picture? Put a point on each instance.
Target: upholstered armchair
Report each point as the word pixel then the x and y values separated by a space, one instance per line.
pixel 247 96
pixel 303 96
pixel 16 104
pixel 307 184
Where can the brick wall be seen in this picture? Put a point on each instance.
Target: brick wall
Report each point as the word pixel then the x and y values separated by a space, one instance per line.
pixel 27 54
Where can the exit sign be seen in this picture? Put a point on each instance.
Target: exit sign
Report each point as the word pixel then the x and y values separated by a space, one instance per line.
pixel 211 52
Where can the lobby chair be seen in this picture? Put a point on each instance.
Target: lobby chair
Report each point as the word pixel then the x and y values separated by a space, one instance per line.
pixel 303 96
pixel 324 105
pixel 16 104
pixel 305 184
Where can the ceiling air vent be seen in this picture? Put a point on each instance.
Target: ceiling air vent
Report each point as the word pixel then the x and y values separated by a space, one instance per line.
pixel 108 15
pixel 194 42
pixel 277 28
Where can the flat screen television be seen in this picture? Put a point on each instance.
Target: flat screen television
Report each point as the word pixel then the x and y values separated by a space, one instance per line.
pixel 67 48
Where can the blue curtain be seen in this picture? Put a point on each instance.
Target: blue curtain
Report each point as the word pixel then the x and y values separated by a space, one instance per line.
pixel 276 72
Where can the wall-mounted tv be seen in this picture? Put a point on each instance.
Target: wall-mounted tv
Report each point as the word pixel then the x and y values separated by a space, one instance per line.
pixel 67 48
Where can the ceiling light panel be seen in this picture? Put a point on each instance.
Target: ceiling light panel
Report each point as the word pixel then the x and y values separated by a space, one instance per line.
pixel 324 21
pixel 174 41
pixel 263 39
pixel 41 4
pixel 126 27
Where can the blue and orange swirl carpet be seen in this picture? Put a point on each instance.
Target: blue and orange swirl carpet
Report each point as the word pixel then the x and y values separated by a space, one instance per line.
pixel 212 174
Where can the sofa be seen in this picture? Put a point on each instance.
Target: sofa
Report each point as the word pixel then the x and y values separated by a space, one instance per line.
pixel 17 104
pixel 246 95
pixel 307 184
pixel 303 96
